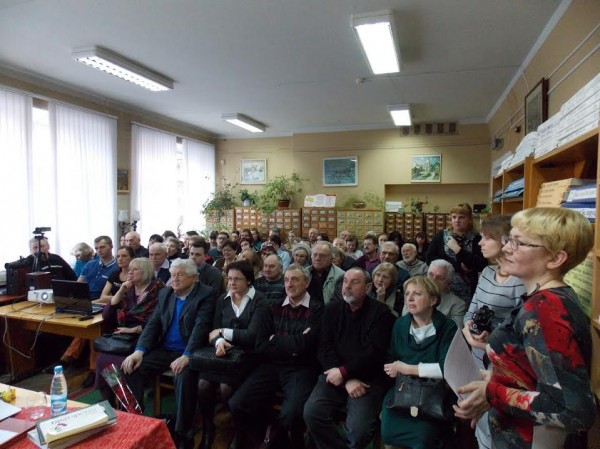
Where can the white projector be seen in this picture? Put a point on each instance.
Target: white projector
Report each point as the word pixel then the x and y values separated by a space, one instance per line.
pixel 45 296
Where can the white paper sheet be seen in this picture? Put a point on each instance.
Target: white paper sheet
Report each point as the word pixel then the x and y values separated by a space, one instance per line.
pixel 7 410
pixel 459 366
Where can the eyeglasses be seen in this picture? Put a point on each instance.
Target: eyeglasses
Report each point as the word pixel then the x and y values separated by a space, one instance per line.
pixel 514 244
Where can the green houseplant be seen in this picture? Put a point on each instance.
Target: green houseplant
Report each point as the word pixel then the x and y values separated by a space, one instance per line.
pixel 220 201
pixel 248 198
pixel 278 192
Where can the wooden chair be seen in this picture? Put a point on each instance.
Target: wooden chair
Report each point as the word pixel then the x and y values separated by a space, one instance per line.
pixel 162 381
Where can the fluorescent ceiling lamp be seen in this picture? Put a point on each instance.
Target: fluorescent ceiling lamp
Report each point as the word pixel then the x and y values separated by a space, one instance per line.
pixel 115 64
pixel 244 122
pixel 401 114
pixel 377 35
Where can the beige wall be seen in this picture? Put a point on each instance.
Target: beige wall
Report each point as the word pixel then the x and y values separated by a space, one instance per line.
pixel 573 34
pixel 384 161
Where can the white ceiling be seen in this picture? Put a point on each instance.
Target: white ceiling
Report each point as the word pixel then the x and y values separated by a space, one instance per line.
pixel 291 64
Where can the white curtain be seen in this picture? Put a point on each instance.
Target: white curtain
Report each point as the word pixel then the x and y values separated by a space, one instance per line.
pixel 15 148
pixel 199 182
pixel 84 148
pixel 154 192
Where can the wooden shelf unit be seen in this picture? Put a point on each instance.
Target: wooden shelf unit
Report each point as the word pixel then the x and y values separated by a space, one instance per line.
pixel 511 205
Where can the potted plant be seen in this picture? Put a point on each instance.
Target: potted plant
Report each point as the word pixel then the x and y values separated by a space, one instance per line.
pixel 362 200
pixel 220 201
pixel 278 192
pixel 247 198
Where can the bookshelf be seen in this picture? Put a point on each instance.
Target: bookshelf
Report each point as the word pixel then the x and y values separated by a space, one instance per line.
pixel 501 182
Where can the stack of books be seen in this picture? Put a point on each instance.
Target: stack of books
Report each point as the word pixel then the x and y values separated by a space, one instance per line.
pixel 514 189
pixel 553 194
pixel 66 430
pixel 577 116
pixel 581 112
pixel 497 196
pixel 548 135
pixel 583 200
pixel 526 148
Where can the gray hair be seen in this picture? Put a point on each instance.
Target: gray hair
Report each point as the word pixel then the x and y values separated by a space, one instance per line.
pixel 409 245
pixel 145 265
pixel 391 269
pixel 304 271
pixel 84 249
pixel 187 265
pixel 441 263
pixel 277 259
pixel 390 245
pixel 337 251
pixel 326 244
pixel 159 246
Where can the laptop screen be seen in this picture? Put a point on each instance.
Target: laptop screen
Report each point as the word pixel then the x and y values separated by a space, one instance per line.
pixel 73 297
pixel 70 289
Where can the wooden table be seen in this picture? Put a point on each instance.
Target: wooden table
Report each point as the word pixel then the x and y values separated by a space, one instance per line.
pixel 7 299
pixel 26 317
pixel 130 431
pixel 23 394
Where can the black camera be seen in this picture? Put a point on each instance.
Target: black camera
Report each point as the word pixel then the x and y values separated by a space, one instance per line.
pixel 41 230
pixel 482 320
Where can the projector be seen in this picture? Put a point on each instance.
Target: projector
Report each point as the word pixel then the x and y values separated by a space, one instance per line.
pixel 44 296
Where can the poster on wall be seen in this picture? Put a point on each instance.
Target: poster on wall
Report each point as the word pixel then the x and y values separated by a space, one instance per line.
pixel 340 171
pixel 426 168
pixel 253 171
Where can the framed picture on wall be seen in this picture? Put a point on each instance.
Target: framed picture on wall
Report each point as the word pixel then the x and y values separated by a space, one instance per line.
pixel 122 180
pixel 536 106
pixel 426 168
pixel 340 171
pixel 253 171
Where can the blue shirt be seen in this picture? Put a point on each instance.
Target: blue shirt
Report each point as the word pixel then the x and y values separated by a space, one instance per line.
pixel 173 341
pixel 96 274
pixel 286 260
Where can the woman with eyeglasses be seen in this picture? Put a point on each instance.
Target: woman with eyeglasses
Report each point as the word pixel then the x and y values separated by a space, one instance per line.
pixel 538 390
pixel 459 245
pixel 499 293
pixel 237 316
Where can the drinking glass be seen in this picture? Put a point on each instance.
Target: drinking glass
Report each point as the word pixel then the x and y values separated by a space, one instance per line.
pixel 37 405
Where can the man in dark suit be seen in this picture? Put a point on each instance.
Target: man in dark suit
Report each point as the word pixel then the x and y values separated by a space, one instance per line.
pixel 354 339
pixel 179 325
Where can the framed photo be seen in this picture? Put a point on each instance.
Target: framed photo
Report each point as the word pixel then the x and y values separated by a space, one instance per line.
pixel 340 171
pixel 253 171
pixel 122 180
pixel 536 106
pixel 426 168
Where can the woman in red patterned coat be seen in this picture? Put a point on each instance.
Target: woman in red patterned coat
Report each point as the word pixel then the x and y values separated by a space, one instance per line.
pixel 538 388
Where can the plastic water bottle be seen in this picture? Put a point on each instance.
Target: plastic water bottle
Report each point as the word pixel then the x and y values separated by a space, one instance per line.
pixel 58 392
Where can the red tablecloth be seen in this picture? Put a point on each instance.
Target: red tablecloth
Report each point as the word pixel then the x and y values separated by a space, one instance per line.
pixel 130 432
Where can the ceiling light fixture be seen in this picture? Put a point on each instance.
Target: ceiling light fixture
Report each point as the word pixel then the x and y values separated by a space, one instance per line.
pixel 115 64
pixel 245 122
pixel 401 114
pixel 376 32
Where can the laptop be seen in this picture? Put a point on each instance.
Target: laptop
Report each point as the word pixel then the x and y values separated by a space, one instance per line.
pixel 74 297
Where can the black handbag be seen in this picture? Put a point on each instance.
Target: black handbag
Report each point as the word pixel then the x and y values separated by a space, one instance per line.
pixel 118 344
pixel 206 361
pixel 423 397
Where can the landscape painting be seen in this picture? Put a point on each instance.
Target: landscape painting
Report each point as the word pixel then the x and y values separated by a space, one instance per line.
pixel 426 168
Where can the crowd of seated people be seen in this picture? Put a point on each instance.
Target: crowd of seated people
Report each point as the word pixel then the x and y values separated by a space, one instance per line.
pixel 326 327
